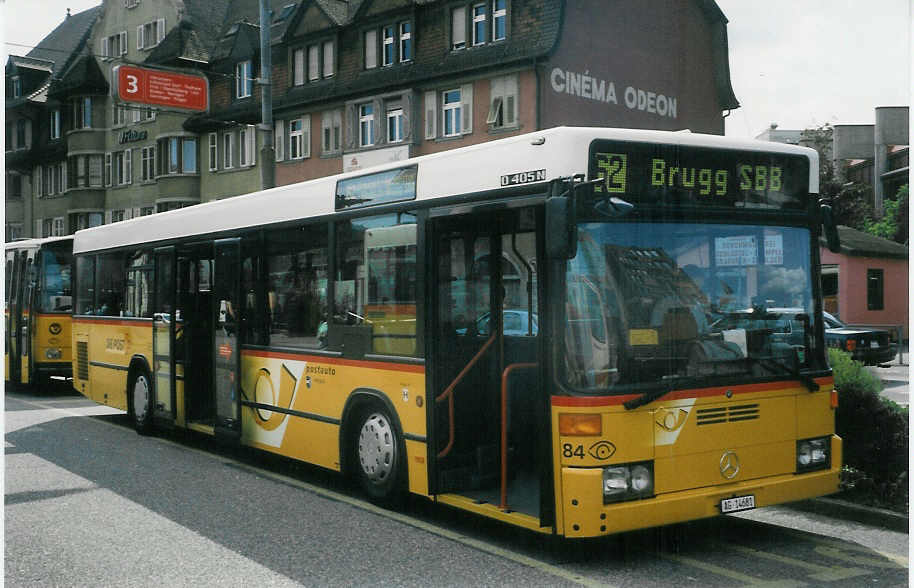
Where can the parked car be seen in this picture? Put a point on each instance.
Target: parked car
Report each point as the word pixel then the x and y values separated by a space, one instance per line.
pixel 870 346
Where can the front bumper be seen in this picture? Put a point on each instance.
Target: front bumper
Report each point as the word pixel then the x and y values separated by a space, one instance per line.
pixel 585 515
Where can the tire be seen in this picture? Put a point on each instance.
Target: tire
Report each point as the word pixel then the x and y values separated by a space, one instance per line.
pixel 140 393
pixel 379 456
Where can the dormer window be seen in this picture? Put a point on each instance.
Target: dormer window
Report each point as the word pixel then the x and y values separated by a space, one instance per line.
pixel 114 45
pixel 244 79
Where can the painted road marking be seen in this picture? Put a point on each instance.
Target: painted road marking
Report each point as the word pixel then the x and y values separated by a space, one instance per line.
pixel 368 507
pixel 732 574
pixel 821 573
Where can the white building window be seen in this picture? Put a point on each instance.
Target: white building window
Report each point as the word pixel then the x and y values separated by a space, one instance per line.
pixel 147 164
pixel 150 34
pixel 58 230
pixel 387 45
pixel 331 130
pixel 366 125
pixel 503 107
pixel 300 137
pixel 82 113
pixel 213 153
pixel 120 115
pixel 189 155
pixel 406 42
pixel 247 145
pixel 228 143
pixel 499 20
pixel 244 79
pixel 479 24
pixel 371 49
pixel 55 124
pixel 459 28
pixel 395 125
pixel 123 167
pixel 114 45
pixel 451 113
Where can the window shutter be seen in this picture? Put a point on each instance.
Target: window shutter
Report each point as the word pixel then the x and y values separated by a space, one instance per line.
pixel 139 37
pixel 252 143
pixel 351 137
pixel 128 162
pixel 466 99
pixel 104 47
pixel 407 117
pixel 37 182
pixel 63 176
pixel 137 212
pixel 160 31
pixel 123 43
pixel 107 217
pixel 38 227
pixel 431 115
pixel 108 175
pixel 306 135
pixel 278 142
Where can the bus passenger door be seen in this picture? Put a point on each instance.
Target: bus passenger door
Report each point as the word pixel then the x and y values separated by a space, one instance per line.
pixel 227 359
pixel 487 390
pixel 27 315
pixel 15 265
pixel 164 324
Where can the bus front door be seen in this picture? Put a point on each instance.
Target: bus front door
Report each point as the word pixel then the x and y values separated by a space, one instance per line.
pixel 490 424
pixel 13 336
pixel 165 325
pixel 226 359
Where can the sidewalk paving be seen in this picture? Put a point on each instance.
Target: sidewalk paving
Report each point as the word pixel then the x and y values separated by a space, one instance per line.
pixel 895 378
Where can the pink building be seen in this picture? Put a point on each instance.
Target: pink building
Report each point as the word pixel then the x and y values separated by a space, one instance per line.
pixel 867 283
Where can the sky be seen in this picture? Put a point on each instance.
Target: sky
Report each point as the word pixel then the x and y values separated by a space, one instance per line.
pixel 797 63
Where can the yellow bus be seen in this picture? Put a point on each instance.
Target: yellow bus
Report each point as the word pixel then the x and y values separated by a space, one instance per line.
pixel 37 309
pixel 579 331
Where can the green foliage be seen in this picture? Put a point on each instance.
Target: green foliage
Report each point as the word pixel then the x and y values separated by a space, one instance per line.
pixel 851 202
pixel 894 223
pixel 875 434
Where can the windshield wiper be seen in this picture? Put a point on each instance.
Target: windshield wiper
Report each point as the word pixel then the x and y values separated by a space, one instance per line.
pixel 665 388
pixel 771 364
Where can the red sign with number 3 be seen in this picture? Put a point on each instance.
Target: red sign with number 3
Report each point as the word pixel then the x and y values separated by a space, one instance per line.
pixel 162 88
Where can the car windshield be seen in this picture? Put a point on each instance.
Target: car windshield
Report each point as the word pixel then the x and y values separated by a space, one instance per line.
pixel 649 302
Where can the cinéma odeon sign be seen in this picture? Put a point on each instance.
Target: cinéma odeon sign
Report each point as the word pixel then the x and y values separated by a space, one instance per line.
pixel 588 87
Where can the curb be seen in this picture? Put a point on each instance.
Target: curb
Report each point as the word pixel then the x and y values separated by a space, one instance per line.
pixel 842 509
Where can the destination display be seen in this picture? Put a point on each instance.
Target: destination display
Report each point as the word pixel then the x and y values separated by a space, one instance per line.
pixel 676 175
pixel 378 188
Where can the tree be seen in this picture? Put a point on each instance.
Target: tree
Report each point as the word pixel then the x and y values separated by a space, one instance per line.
pixel 851 201
pixel 894 223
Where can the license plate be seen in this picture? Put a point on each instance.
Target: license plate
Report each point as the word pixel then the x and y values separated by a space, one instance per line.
pixel 874 344
pixel 737 504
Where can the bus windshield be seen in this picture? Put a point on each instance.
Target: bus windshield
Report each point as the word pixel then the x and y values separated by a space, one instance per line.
pixel 647 303
pixel 55 280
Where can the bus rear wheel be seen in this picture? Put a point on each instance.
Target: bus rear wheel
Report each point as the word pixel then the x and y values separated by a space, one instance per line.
pixel 379 456
pixel 141 401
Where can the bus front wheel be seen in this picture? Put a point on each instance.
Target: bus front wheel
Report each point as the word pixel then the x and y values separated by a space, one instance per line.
pixel 140 393
pixel 379 456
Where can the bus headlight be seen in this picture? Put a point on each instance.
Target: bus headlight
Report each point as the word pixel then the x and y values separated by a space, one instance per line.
pixel 813 454
pixel 53 353
pixel 628 482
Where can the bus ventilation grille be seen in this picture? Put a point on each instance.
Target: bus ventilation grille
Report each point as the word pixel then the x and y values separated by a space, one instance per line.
pixel 82 360
pixel 727 414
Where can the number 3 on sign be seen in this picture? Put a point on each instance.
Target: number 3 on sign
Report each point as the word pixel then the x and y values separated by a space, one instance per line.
pixel 132 87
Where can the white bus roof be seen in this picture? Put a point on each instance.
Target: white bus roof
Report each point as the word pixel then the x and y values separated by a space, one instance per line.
pixel 33 243
pixel 561 151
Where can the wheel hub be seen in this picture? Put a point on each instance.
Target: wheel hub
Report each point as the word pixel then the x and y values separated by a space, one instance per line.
pixel 376 448
pixel 140 398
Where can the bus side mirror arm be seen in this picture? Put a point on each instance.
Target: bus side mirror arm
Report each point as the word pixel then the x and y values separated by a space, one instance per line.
pixel 831 228
pixel 561 221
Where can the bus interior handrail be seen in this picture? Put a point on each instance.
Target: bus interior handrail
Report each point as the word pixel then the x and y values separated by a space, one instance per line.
pixel 449 394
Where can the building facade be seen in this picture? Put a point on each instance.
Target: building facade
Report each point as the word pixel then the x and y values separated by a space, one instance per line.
pixel 357 83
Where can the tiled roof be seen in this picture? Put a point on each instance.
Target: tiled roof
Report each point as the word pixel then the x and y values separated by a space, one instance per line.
pixel 84 75
pixel 859 244
pixel 61 44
